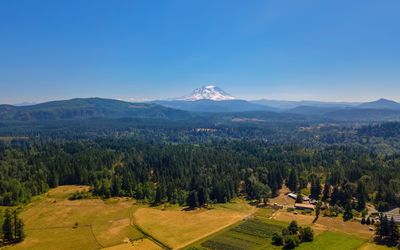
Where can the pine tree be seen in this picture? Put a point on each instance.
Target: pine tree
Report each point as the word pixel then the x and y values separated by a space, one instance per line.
pixel 327 191
pixel 368 221
pixel 8 227
pixel 316 188
pixel 383 227
pixel 318 209
pixel 362 196
pixel 335 195
pixel 19 230
pixel 193 200
pixel 394 231
pixel 348 214
pixel 158 196
pixel 306 234
pixel 116 186
pixel 293 227
pixel 293 181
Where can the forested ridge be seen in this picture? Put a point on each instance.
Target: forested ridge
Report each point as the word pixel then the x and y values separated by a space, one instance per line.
pixel 343 167
pixel 196 174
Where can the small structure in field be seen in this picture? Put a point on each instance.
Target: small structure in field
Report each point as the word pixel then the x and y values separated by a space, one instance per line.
pixel 304 206
pixel 277 206
pixel 292 195
pixel 306 198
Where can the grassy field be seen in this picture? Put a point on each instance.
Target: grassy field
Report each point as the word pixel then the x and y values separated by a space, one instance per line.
pixel 254 233
pixel 372 246
pixel 54 222
pixel 177 228
pixel 333 241
pixel 142 244
pixel 327 224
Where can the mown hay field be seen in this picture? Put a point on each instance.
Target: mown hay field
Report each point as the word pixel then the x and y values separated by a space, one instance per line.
pixel 177 228
pixel 54 222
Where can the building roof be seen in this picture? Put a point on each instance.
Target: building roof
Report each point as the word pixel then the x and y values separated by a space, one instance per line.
pixel 301 205
pixel 395 213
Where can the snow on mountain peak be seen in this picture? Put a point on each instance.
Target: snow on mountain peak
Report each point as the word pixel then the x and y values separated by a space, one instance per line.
pixel 208 92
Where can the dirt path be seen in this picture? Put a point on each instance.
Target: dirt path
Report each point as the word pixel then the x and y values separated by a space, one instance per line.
pixel 182 246
pixel 282 199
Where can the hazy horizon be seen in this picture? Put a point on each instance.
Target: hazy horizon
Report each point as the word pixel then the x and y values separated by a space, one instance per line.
pixel 130 99
pixel 339 51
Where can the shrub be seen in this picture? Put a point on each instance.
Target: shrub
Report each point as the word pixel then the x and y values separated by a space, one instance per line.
pixel 291 242
pixel 79 195
pixel 293 227
pixel 306 234
pixel 277 239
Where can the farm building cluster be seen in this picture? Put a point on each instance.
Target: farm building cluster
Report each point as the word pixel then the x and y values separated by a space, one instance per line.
pixel 303 206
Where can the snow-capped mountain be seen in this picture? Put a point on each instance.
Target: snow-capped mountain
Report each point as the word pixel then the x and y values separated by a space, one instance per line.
pixel 210 92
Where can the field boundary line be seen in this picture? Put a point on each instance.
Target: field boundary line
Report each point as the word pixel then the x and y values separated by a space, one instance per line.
pixel 94 236
pixel 147 235
pixel 218 230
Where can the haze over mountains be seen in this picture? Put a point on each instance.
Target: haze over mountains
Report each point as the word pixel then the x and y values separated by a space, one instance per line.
pixel 202 101
pixel 214 99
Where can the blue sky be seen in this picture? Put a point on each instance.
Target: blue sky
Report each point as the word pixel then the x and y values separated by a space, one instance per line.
pixel 321 50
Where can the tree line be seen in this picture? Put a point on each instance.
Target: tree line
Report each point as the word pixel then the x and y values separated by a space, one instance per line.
pixel 199 174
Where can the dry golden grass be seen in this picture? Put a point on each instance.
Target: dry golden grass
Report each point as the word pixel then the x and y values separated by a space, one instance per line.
pixel 327 224
pixel 54 222
pixel 372 246
pixel 282 198
pixel 177 228
pixel 142 244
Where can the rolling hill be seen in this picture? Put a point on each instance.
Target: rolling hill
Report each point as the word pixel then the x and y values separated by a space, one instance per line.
pixel 211 106
pixel 381 104
pixel 85 108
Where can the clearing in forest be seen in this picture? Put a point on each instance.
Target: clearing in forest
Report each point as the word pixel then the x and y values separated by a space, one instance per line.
pixel 54 222
pixel 255 233
pixel 177 228
pixel 334 224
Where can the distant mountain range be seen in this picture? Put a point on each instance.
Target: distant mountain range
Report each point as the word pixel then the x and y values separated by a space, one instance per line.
pixel 204 103
pixel 286 105
pixel 211 106
pixel 86 108
pixel 214 99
